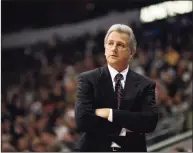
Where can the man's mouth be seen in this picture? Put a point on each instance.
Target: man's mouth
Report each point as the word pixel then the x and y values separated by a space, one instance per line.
pixel 114 55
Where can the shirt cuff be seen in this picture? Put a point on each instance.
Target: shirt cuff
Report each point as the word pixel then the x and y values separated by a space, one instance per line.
pixel 110 118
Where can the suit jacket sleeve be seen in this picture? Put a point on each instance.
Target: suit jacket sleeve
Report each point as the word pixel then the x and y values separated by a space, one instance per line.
pixel 144 121
pixel 86 120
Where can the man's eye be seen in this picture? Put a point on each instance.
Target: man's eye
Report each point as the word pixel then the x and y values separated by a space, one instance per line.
pixel 110 43
pixel 120 45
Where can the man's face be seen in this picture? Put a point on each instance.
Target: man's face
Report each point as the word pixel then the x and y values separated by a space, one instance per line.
pixel 117 49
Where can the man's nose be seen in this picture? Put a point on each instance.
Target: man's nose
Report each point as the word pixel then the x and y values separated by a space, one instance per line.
pixel 114 49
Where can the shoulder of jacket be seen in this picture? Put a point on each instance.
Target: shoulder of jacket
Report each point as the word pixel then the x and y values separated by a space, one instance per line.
pixel 143 78
pixel 91 73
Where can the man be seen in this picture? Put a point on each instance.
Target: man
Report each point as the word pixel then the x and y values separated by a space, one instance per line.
pixel 115 106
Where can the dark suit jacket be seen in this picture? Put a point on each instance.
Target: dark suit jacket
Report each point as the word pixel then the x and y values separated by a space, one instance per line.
pixel 138 111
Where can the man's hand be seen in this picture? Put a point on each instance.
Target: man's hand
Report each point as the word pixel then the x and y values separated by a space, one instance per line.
pixel 103 112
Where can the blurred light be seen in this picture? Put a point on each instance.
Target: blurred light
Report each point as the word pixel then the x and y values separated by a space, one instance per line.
pixel 164 10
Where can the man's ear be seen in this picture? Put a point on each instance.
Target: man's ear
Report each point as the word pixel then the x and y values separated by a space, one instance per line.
pixel 132 54
pixel 105 49
pixel 104 44
pixel 105 53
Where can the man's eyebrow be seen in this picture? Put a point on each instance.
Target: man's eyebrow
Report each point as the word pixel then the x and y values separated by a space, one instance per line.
pixel 117 41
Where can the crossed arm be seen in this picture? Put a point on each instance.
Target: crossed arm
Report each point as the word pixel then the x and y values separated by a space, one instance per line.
pixel 89 119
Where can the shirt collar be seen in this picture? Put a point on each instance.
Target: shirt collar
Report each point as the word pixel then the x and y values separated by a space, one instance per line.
pixel 114 72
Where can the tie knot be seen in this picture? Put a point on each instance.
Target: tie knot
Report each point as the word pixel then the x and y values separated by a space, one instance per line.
pixel 118 77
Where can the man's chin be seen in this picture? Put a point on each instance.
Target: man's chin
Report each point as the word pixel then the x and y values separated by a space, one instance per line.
pixel 113 61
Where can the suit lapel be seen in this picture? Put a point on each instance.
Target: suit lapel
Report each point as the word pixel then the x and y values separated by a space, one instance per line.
pixel 130 90
pixel 106 87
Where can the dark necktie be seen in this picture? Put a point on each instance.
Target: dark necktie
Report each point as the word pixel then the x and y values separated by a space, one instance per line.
pixel 118 88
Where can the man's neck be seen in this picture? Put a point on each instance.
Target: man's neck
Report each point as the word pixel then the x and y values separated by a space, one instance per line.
pixel 119 68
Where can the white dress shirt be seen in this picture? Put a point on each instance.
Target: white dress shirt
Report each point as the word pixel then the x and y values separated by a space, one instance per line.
pixel 113 73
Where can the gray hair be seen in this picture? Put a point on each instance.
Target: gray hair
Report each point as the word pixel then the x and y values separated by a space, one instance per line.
pixel 125 29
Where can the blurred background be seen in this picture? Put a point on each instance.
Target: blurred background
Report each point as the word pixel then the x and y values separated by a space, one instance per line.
pixel 46 44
